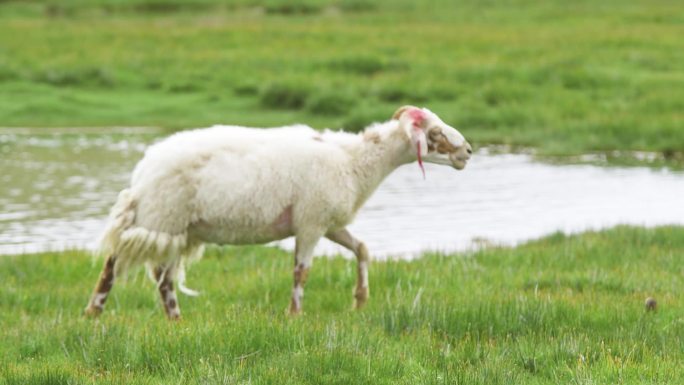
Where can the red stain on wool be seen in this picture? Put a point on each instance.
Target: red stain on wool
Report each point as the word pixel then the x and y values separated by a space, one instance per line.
pixel 417 116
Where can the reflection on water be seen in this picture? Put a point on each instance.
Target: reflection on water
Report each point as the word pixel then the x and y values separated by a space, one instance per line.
pixel 56 190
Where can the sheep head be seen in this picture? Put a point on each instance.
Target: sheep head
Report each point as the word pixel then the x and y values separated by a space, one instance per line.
pixel 433 140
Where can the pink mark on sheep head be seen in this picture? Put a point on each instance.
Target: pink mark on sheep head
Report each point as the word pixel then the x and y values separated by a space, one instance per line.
pixel 432 140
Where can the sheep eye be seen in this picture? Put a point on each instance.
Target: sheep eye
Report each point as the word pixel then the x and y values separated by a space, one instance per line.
pixel 435 133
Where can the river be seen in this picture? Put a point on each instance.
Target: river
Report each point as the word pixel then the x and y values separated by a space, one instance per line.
pixel 56 187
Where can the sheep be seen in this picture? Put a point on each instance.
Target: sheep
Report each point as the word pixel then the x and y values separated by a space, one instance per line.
pixel 237 185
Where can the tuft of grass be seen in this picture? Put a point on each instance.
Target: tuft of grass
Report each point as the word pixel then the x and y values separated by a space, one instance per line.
pixel 184 88
pixel 74 8
pixel 366 65
pixel 284 96
pixel 97 77
pixel 562 309
pixel 360 118
pixel 246 89
pixel 356 5
pixel 402 94
pixel 298 7
pixel 331 103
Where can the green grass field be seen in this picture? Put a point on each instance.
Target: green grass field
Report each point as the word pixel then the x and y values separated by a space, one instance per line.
pixel 561 77
pixel 561 310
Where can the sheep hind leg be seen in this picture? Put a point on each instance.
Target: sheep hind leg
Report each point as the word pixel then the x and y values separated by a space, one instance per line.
pixel 102 289
pixel 303 259
pixel 163 277
pixel 345 239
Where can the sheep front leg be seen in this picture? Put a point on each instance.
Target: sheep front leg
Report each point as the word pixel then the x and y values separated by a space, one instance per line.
pixel 163 276
pixel 345 239
pixel 102 289
pixel 303 258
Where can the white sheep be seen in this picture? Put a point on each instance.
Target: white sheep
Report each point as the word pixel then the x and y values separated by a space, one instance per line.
pixel 236 185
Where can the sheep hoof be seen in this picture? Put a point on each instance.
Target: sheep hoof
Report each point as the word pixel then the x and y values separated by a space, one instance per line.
pixel 92 311
pixel 293 311
pixel 360 298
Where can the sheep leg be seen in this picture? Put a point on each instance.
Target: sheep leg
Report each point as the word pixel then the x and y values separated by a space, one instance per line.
pixel 164 280
pixel 345 239
pixel 303 258
pixel 102 289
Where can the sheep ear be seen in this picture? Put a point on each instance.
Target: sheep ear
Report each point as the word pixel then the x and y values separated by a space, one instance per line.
pixel 397 114
pixel 414 118
pixel 414 114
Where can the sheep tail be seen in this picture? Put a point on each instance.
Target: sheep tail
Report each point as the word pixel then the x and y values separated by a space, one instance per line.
pixel 121 219
pixel 135 246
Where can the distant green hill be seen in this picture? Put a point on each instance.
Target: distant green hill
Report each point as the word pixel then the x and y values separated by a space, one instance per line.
pixel 562 77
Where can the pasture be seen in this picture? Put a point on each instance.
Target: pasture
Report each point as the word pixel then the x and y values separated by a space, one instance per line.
pixel 553 78
pixel 563 309
pixel 562 78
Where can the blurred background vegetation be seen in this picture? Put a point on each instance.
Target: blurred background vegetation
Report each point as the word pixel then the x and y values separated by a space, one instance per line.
pixel 562 77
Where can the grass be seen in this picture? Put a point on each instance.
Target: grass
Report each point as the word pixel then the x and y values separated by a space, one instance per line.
pixel 561 77
pixel 563 309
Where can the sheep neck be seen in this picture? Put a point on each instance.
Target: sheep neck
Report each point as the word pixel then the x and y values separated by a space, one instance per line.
pixel 376 157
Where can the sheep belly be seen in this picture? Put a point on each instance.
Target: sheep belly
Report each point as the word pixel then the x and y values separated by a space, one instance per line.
pixel 251 229
pixel 268 213
pixel 261 210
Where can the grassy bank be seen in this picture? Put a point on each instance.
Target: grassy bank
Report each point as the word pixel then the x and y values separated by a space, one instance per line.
pixel 558 310
pixel 561 77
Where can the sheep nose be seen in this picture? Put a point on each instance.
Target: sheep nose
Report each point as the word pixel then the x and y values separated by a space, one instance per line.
pixel 469 149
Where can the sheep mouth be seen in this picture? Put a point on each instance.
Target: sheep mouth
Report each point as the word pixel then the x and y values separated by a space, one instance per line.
pixel 460 166
pixel 459 162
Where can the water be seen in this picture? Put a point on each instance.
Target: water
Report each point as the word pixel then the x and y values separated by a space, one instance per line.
pixel 56 190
